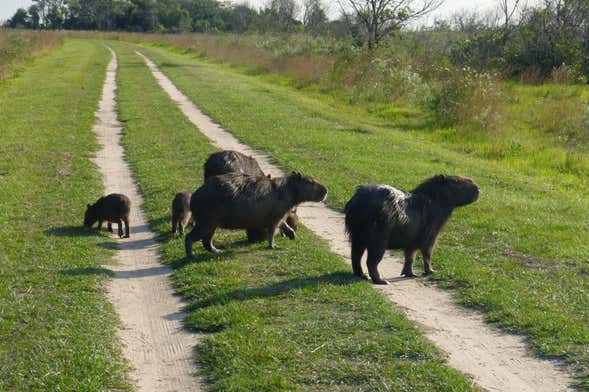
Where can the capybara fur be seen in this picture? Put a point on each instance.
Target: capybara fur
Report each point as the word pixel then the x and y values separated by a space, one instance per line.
pixel 181 215
pixel 113 208
pixel 236 201
pixel 380 217
pixel 227 161
pixel 223 162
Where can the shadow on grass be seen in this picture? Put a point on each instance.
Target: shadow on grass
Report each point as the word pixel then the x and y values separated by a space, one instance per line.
pixel 71 231
pixel 276 289
pixel 88 271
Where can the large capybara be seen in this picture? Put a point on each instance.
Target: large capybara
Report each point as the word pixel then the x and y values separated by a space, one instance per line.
pixel 380 217
pixel 236 201
pixel 114 208
pixel 227 161
pixel 223 162
pixel 181 215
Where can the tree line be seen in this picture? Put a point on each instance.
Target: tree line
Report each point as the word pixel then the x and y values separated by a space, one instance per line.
pixel 172 16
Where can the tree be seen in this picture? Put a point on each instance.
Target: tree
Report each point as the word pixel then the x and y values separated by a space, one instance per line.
pixel 314 17
pixel 34 19
pixel 382 17
pixel 18 20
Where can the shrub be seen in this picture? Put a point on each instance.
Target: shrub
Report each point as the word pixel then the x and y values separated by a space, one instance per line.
pixel 464 97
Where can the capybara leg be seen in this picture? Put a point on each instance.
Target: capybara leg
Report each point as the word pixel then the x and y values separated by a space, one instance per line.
pixel 120 228
pixel 357 253
pixel 271 231
pixel 207 242
pixel 99 225
pixel 174 224
pixel 109 227
pixel 408 266
pixel 374 257
pixel 127 228
pixel 189 239
pixel 427 261
pixel 287 231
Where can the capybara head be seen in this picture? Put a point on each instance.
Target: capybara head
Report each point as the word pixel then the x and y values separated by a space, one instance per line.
pixel 306 188
pixel 90 216
pixel 450 191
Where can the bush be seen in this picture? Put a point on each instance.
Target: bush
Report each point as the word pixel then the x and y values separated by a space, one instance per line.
pixel 464 97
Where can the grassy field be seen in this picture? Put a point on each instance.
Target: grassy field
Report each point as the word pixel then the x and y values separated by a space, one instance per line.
pixel 520 254
pixel 57 331
pixel 18 47
pixel 290 319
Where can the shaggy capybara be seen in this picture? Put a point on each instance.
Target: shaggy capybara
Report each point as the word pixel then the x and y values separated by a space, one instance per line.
pixel 227 161
pixel 114 208
pixel 181 215
pixel 380 217
pixel 236 201
pixel 223 162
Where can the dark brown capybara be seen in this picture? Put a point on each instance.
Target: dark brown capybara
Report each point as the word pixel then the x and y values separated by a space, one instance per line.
pixel 181 215
pixel 227 161
pixel 113 208
pixel 236 201
pixel 380 217
pixel 223 162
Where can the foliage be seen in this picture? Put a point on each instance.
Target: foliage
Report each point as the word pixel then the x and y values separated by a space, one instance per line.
pixel 463 96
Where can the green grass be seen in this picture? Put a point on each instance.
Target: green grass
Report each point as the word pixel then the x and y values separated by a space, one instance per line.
pixel 289 319
pixel 57 331
pixel 519 254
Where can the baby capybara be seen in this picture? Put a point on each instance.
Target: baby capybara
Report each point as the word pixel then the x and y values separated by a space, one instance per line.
pixel 236 201
pixel 114 208
pixel 181 215
pixel 227 161
pixel 380 217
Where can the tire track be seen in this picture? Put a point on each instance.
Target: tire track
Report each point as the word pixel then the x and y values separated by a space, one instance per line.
pixel 497 361
pixel 155 343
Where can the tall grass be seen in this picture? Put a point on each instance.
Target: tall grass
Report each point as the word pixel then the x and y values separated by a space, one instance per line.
pixel 17 47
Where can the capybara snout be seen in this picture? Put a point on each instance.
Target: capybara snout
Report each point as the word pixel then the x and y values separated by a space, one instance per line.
pixel 113 208
pixel 312 189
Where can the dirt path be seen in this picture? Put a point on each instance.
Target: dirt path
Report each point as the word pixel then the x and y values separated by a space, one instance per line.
pixel 159 350
pixel 496 361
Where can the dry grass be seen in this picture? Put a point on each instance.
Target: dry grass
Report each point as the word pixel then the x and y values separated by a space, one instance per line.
pixel 20 46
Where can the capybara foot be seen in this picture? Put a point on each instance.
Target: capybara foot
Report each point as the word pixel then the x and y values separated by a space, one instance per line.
pixel 127 236
pixel 361 276
pixel 380 281
pixel 408 274
pixel 431 271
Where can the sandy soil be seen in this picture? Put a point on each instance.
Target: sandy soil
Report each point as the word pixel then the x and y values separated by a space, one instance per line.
pixel 159 350
pixel 496 361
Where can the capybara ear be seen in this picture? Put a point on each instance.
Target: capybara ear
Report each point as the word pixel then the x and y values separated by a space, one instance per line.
pixel 269 176
pixel 441 176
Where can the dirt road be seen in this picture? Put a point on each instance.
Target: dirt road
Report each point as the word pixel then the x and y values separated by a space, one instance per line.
pixel 159 350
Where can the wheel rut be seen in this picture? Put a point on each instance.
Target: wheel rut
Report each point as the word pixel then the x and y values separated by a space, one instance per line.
pixel 157 346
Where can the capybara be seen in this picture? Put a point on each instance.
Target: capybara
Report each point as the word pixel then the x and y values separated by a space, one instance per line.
pixel 236 201
pixel 223 162
pixel 181 215
pixel 380 217
pixel 227 161
pixel 113 208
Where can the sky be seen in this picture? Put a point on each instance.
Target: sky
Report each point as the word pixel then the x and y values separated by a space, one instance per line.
pixel 9 7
